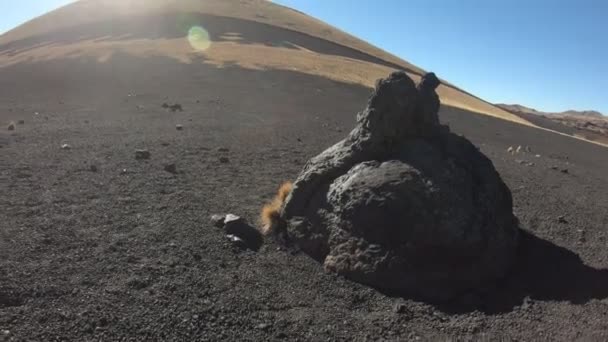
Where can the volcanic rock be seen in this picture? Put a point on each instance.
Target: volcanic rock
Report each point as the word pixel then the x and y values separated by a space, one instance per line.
pixel 218 220
pixel 237 241
pixel 176 107
pixel 237 226
pixel 171 168
pixel 142 154
pixel 402 204
pixel 173 107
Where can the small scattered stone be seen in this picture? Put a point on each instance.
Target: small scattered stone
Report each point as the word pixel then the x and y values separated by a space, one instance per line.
pixel 142 154
pixel 218 220
pixel 510 149
pixel 21 122
pixel 326 222
pixel 235 225
pixel 232 219
pixel 123 171
pixel 518 150
pixel 562 219
pixel 564 171
pixel 179 127
pixel 263 326
pixel 171 168
pixel 400 308
pixel 527 303
pixel 224 160
pixel 537 156
pixel 582 236
pixel 524 162
pixel 103 322
pixel 528 149
pixel 11 126
pixel 237 241
pixel 176 107
pixel 66 146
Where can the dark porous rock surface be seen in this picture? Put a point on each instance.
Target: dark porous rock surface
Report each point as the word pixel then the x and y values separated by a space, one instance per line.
pixel 402 204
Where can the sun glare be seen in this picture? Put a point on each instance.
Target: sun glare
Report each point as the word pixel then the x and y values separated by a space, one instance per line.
pixel 198 38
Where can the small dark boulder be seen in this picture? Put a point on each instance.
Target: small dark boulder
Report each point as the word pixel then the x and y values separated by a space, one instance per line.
pixel 237 226
pixel 176 107
pixel 142 154
pixel 237 242
pixel 171 168
pixel 218 220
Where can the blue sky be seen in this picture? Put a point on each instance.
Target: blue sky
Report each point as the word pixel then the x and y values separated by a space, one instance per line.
pixel 548 54
pixel 16 12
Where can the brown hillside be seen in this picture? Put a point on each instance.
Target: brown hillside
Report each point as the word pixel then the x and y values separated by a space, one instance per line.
pixel 255 34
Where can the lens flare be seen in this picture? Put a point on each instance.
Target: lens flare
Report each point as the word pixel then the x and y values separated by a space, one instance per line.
pixel 198 38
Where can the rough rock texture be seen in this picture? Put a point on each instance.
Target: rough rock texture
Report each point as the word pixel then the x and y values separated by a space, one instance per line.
pixel 402 204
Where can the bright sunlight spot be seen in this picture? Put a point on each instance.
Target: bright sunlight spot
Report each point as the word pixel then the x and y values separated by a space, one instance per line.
pixel 198 38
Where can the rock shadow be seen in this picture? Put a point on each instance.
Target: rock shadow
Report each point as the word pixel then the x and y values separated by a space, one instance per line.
pixel 543 271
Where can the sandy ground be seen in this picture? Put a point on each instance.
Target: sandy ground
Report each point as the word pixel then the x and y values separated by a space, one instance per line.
pixel 112 255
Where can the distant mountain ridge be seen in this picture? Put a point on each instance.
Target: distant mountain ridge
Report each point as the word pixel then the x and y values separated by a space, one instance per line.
pixel 519 109
pixel 587 124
